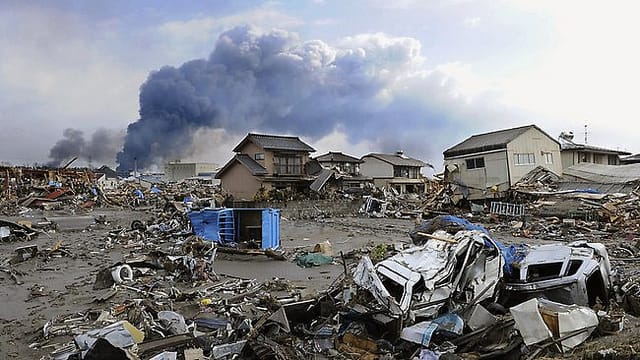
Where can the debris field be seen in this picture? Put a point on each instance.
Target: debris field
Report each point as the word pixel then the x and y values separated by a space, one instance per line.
pixel 94 274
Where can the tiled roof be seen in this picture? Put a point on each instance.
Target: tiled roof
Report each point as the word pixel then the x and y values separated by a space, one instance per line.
pixel 275 142
pixel 253 166
pixel 332 156
pixel 488 141
pixel 398 160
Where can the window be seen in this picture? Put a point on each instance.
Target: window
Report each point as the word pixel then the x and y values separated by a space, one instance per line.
pixel 525 159
pixel 259 156
pixel 288 165
pixel 613 159
pixel 405 172
pixel 548 157
pixel 475 163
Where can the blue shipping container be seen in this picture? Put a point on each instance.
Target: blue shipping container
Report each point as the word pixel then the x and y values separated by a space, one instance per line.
pixel 229 227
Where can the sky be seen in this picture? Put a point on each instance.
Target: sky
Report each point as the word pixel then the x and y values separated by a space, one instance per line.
pixel 166 80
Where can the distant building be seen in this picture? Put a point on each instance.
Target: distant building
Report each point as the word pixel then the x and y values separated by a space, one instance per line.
pixel 106 177
pixel 176 170
pixel 573 154
pixel 396 171
pixel 486 165
pixel 267 162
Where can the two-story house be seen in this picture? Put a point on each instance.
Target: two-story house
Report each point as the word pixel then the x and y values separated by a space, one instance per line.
pixel 340 170
pixel 396 171
pixel 268 162
pixel 486 165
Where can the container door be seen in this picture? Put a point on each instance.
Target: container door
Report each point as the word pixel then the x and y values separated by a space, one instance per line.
pixel 270 229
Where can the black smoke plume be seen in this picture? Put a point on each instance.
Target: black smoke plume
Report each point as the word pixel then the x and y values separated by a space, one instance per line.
pixel 102 147
pixel 373 87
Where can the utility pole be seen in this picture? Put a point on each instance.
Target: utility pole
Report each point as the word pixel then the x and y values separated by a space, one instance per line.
pixel 585 134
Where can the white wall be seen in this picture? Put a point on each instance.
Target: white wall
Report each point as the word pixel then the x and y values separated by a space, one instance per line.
pixel 536 142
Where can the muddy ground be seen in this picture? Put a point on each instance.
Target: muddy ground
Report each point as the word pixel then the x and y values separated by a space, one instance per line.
pixel 59 286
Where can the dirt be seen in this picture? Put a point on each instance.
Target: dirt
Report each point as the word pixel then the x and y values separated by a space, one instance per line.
pixel 63 285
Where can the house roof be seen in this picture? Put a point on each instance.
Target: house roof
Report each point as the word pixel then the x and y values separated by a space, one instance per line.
pixel 107 171
pixel 604 173
pixel 604 178
pixel 333 156
pixel 583 147
pixel 275 142
pixel 630 158
pixel 253 166
pixel 494 140
pixel 398 160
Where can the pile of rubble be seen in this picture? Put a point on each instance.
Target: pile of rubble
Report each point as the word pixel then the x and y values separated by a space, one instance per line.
pixel 454 292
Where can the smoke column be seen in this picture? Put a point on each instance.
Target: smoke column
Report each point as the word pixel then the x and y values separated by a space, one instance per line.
pixel 372 86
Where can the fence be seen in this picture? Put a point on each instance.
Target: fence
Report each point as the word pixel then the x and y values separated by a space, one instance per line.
pixel 507 209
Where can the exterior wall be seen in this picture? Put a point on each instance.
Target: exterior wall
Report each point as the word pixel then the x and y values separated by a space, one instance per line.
pixel 375 168
pixel 480 181
pixel 239 182
pixel 572 157
pixel 205 168
pixel 535 142
pixel 180 171
pixel 252 149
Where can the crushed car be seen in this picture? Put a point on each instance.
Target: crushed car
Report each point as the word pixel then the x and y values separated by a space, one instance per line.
pixel 577 273
pixel 452 271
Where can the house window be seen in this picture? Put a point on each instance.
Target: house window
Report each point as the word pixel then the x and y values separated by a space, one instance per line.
pixel 613 159
pixel 288 165
pixel 405 172
pixel 548 157
pixel 259 156
pixel 475 163
pixel 525 159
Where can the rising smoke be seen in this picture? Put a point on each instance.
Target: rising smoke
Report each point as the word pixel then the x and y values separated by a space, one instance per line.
pixel 101 148
pixel 372 86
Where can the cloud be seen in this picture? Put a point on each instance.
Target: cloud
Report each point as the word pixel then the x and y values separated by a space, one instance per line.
pixel 57 73
pixel 471 22
pixel 369 88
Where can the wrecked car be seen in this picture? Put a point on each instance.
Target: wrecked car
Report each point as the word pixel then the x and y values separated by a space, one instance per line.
pixel 451 271
pixel 576 273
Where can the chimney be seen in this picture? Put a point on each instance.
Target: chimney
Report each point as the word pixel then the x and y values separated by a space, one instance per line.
pixel 400 153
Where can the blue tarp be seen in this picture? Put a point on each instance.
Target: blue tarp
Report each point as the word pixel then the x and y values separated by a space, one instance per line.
pixel 138 193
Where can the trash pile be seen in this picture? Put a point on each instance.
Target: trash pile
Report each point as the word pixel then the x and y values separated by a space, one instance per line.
pixel 389 203
pixel 453 292
pixel 23 188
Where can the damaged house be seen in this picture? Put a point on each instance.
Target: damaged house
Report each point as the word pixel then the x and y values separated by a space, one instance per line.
pixel 395 171
pixel 486 165
pixel 338 171
pixel 266 162
pixel 573 153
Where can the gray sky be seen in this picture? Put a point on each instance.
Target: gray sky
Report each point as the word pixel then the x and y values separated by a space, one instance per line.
pixel 424 74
